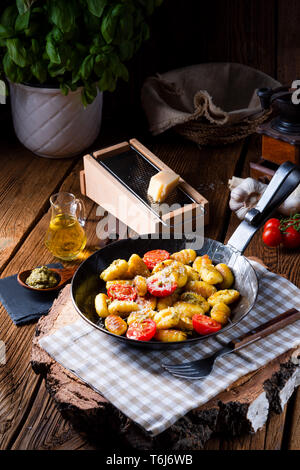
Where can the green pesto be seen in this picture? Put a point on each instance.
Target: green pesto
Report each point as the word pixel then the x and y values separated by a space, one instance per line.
pixel 42 278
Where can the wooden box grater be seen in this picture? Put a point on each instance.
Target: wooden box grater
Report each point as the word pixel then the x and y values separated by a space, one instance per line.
pixel 117 178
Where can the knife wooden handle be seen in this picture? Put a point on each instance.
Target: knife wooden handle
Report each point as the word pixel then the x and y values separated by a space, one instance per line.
pixel 281 321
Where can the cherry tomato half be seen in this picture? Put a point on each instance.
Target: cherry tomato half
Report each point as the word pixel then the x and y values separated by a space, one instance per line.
pixel 204 325
pixel 291 238
pixel 142 331
pixel 272 237
pixel 152 258
pixel 161 288
pixel 122 292
pixel 272 223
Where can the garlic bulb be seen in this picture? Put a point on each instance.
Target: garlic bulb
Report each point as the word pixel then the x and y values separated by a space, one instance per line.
pixel 234 182
pixel 292 205
pixel 245 196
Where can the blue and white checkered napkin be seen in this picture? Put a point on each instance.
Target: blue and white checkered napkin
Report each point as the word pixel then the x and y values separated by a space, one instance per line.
pixel 134 381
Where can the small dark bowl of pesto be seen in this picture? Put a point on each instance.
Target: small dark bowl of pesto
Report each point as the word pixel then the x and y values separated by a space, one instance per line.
pixel 41 279
pixel 45 279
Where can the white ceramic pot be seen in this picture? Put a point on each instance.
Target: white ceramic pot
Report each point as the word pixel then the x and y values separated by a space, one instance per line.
pixel 53 125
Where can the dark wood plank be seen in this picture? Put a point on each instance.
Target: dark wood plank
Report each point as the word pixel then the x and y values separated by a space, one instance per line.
pixel 243 32
pixel 293 440
pixel 275 431
pixel 288 41
pixel 52 433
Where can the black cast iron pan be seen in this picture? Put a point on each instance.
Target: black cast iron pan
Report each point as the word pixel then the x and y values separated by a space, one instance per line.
pixel 86 283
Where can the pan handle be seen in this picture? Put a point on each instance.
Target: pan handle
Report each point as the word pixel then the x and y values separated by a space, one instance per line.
pixel 284 182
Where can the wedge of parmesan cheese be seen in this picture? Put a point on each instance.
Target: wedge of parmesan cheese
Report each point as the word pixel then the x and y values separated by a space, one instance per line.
pixel 162 184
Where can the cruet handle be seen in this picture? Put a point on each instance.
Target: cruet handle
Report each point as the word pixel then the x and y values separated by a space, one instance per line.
pixel 82 212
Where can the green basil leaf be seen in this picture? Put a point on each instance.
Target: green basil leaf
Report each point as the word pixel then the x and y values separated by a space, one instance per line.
pixel 72 61
pixel 52 51
pixel 126 50
pixel 22 21
pixel 118 69
pixel 94 49
pixel 72 86
pixel 24 5
pixel 5 32
pixel 57 35
pixel 100 64
pixel 11 70
pixel 8 17
pixel 64 89
pixel 145 31
pixel 97 7
pixel 84 98
pixel 9 67
pixel 97 46
pixel 108 81
pixel 123 72
pixel 91 91
pixel 126 26
pixel 109 23
pixel 39 71
pixel 56 69
pixel 87 67
pixel 107 49
pixel 35 46
pixel 17 51
pixel 75 76
pixel 62 14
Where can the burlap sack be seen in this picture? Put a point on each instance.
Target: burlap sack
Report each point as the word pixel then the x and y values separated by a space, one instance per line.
pixel 209 103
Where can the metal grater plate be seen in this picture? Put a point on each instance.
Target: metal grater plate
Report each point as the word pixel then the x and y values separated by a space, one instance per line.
pixel 134 171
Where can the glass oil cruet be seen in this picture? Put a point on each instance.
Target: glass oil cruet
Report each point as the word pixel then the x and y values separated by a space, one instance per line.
pixel 65 237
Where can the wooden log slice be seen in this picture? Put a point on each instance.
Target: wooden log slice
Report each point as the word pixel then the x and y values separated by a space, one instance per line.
pixel 243 408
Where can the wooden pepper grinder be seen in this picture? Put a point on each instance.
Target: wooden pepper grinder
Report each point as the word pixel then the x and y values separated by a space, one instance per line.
pixel 280 135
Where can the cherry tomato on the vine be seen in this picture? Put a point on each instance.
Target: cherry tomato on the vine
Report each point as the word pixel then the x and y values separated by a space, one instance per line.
pixel 272 223
pixel 272 237
pixel 291 238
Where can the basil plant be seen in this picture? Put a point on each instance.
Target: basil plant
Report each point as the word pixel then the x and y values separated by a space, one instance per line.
pixel 72 43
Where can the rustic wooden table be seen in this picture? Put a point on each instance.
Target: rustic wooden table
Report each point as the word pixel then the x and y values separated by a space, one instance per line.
pixel 28 417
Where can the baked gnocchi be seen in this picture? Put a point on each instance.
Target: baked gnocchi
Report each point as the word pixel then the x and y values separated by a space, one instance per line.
pixel 116 270
pixel 164 296
pixel 184 256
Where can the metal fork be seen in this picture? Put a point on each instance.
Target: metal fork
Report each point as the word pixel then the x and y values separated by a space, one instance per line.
pixel 202 368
